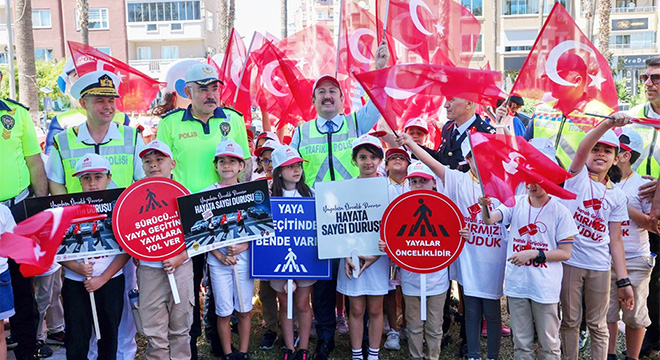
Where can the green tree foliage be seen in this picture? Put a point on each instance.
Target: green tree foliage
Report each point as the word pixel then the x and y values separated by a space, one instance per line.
pixel 47 73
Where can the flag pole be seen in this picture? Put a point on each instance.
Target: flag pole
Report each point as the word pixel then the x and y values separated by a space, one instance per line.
pixel 561 130
pixel 289 299
pixel 387 10
pixel 95 315
pixel 476 168
pixel 341 15
pixel 240 78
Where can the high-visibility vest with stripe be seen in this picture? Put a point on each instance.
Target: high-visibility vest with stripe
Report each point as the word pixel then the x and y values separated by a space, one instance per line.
pixel 329 156
pixel 119 152
pixel 648 162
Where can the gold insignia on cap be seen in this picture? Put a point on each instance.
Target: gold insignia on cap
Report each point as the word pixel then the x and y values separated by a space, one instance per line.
pixel 207 70
pixel 106 81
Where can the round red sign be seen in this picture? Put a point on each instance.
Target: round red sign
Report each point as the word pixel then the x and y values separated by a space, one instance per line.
pixel 420 230
pixel 146 219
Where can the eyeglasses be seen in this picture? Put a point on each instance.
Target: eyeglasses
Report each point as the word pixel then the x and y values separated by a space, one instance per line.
pixel 655 78
pixel 267 161
pixel 420 180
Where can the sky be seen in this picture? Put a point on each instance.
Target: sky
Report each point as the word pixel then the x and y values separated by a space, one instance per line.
pixel 257 15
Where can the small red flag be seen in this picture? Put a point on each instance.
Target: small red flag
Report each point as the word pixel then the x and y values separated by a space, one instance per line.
pixel 137 89
pixel 33 243
pixel 504 162
pixel 229 73
pixel 565 69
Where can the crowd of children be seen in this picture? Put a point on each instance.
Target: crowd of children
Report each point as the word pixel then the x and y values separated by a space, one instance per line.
pixel 544 254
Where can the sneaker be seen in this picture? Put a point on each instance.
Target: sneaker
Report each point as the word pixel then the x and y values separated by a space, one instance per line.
pixel 268 341
pixel 303 354
pixel 342 326
pixel 611 357
pixel 43 351
pixel 55 338
pixel 322 351
pixel 11 343
pixel 505 330
pixel 239 356
pixel 392 342
pixel 288 354
pixel 584 337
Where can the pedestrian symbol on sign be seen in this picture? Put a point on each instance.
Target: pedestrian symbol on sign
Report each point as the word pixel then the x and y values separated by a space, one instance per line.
pixel 290 264
pixel 423 224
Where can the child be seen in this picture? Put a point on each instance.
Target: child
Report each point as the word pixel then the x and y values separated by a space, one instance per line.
pixel 480 266
pixel 103 275
pixel 6 295
pixel 289 181
pixel 229 163
pixel 367 291
pixel 165 324
pixel 639 262
pixel 264 154
pixel 598 211
pixel 541 237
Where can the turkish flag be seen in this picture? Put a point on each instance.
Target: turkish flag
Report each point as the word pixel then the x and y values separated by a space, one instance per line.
pixel 504 162
pixel 565 69
pixel 403 92
pixel 432 31
pixel 33 243
pixel 137 89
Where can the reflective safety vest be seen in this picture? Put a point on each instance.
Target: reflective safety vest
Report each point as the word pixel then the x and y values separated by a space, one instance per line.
pixel 329 156
pixel 647 164
pixel 119 152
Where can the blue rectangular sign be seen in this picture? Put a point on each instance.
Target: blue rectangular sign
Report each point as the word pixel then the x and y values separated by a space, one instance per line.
pixel 292 253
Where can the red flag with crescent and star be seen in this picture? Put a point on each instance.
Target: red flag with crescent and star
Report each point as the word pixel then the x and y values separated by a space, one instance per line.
pixel 565 70
pixel 229 72
pixel 431 31
pixel 33 243
pixel 403 92
pixel 137 89
pixel 504 162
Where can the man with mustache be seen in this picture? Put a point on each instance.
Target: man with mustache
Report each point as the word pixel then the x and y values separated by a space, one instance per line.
pixel 193 134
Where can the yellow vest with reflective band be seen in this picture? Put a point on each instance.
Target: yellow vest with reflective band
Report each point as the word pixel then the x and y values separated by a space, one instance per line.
pixel 119 152
pixel 329 156
pixel 648 161
pixel 547 121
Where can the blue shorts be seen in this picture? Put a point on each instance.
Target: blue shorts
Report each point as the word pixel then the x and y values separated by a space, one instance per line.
pixel 6 296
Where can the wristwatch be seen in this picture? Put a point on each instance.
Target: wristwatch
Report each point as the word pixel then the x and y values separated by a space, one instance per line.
pixel 623 283
pixel 540 258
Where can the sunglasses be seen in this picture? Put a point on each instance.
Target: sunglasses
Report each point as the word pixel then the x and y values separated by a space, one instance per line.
pixel 267 161
pixel 655 78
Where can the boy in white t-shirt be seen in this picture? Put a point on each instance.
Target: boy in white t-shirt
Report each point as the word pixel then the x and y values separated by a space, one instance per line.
pixel 6 295
pixel 540 238
pixel 101 275
pixel 635 235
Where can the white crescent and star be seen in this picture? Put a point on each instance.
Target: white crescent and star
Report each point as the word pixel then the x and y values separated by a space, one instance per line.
pixel 354 41
pixel 412 7
pixel 511 166
pixel 395 92
pixel 267 78
pixel 558 51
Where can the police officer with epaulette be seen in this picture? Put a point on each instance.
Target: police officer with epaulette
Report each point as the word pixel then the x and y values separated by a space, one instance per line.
pixel 193 134
pixel 462 117
pixel 120 144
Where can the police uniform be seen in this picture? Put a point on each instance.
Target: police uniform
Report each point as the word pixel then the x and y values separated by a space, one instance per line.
pixel 120 144
pixel 449 153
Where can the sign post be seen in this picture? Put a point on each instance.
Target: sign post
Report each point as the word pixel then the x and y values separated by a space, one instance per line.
pixel 421 233
pixel 147 224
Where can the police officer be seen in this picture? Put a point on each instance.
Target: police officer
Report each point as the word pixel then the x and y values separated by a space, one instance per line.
pixel 326 144
pixel 23 175
pixel 99 134
pixel 193 134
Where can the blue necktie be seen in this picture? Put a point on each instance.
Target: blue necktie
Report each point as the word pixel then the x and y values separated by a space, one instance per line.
pixel 330 126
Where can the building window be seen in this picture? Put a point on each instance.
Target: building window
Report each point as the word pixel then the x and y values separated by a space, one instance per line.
pixel 41 19
pixel 517 48
pixel 475 6
pixel 144 53
pixel 320 15
pixel 43 54
pixel 467 44
pixel 3 58
pixel 105 50
pixel 169 52
pixel 638 40
pixel 520 7
pixel 163 11
pixel 549 5
pixel 175 26
pixel 209 21
pixel 98 19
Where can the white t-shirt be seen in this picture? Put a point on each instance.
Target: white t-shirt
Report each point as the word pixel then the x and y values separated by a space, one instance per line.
pixel 394 189
pixel 480 266
pixel 635 238
pixel 591 245
pixel 100 264
pixel 7 223
pixel 553 225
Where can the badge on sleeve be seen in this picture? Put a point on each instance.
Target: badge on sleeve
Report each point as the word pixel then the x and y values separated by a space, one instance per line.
pixel 225 128
pixel 8 123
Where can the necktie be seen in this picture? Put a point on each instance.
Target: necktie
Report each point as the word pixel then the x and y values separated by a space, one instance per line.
pixel 330 126
pixel 454 136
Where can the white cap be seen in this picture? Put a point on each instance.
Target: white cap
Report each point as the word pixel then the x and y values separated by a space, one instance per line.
pixel 397 151
pixel 367 139
pixel 269 135
pixel 91 163
pixel 176 75
pixel 268 145
pixel 202 74
pixel 156 145
pixel 630 140
pixel 416 122
pixel 62 79
pixel 420 169
pixel 610 138
pixel 285 155
pixel 324 78
pixel 96 83
pixel 545 146
pixel 229 148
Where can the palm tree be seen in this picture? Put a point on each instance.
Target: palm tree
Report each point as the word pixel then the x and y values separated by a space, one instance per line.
pixel 27 71
pixel 284 21
pixel 83 20
pixel 604 12
pixel 231 17
pixel 224 21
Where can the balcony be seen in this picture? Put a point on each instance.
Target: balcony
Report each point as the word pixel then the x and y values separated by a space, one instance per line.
pixel 158 31
pixel 636 9
pixel 156 67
